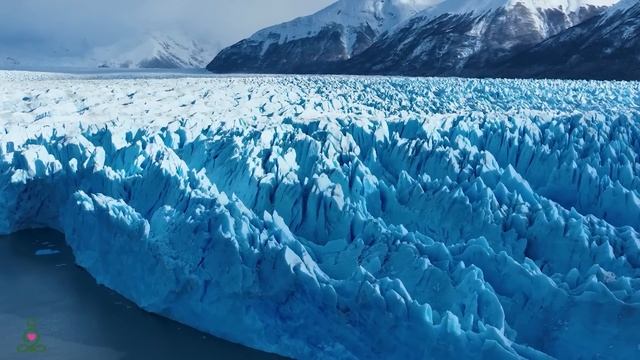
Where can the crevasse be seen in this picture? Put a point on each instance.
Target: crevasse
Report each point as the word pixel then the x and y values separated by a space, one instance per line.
pixel 347 218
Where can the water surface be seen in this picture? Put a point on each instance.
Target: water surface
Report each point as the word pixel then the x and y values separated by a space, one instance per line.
pixel 78 319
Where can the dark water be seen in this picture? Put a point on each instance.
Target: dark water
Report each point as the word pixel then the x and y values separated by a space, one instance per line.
pixel 78 319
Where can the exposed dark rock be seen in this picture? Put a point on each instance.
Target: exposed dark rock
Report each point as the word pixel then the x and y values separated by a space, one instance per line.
pixel 603 47
pixel 504 42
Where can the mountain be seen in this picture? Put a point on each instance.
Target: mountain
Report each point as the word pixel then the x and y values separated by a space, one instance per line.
pixel 310 43
pixel 497 38
pixel 155 51
pixel 469 38
pixel 159 51
pixel 174 51
pixel 604 47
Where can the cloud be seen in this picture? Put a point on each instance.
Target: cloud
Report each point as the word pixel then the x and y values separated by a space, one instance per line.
pixel 82 23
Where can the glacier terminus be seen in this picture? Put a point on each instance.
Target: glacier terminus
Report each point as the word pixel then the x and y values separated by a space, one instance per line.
pixel 344 217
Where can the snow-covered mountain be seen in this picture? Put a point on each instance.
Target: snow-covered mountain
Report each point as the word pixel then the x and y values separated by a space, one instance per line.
pixel 156 51
pixel 606 47
pixel 336 33
pixel 464 37
pixel 175 51
pixel 431 37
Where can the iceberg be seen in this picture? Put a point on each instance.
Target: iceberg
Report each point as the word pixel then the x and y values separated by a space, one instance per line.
pixel 344 217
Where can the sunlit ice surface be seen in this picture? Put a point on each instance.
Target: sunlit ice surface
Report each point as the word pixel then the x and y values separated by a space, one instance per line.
pixel 343 217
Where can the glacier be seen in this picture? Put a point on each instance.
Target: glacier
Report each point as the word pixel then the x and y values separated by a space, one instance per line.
pixel 329 217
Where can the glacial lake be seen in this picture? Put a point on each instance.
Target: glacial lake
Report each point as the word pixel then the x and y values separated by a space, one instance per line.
pixel 76 318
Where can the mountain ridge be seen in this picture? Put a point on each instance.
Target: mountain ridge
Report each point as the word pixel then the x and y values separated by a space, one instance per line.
pixel 605 47
pixel 339 31
pixel 464 42
pixel 444 38
pixel 151 50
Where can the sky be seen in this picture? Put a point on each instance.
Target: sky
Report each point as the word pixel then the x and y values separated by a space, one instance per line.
pixel 83 23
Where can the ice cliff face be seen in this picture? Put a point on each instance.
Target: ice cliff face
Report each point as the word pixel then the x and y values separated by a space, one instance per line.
pixel 345 218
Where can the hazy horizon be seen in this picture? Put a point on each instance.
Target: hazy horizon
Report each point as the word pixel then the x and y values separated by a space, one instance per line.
pixel 78 25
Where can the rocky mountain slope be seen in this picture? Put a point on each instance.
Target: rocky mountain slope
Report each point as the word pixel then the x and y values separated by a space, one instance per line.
pixel 493 38
pixel 465 38
pixel 310 43
pixel 605 47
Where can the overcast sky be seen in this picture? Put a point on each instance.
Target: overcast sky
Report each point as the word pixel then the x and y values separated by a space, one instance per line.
pixel 102 22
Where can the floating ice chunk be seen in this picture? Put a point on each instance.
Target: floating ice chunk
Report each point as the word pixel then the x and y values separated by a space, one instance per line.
pixel 45 252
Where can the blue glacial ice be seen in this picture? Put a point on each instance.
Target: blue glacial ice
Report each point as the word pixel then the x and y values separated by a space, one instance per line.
pixel 346 218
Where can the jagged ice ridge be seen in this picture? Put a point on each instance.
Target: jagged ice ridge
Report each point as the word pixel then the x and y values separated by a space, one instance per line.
pixel 344 217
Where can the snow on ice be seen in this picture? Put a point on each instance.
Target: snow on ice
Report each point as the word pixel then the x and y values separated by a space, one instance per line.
pixel 344 217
